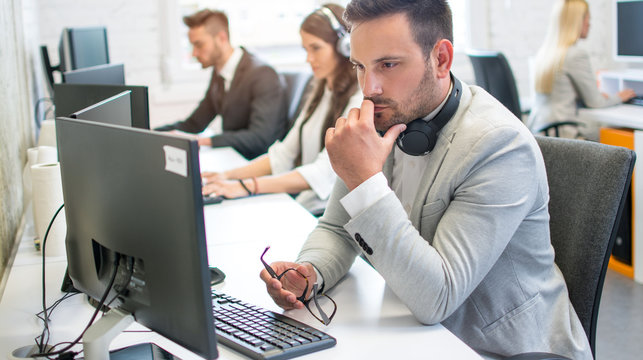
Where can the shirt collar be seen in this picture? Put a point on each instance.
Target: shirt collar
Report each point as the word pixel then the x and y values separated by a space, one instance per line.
pixel 230 67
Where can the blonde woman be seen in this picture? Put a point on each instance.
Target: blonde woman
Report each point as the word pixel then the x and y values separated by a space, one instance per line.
pixel 564 79
pixel 299 164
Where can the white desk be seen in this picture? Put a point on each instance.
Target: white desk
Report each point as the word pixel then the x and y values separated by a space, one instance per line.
pixel 624 115
pixel 628 116
pixel 371 321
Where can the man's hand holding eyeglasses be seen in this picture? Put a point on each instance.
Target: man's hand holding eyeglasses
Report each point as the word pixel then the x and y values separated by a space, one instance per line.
pixel 286 290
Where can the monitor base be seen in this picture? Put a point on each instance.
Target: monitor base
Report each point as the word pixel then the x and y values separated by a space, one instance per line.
pixel 144 351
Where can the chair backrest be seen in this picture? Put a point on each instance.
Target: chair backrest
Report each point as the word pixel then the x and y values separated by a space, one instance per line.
pixel 493 73
pixel 296 89
pixel 588 185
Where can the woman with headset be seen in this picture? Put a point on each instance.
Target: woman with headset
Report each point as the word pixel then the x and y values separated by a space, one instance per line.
pixel 563 74
pixel 299 164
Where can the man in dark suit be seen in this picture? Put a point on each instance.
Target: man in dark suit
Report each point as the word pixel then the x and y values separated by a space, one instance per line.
pixel 246 98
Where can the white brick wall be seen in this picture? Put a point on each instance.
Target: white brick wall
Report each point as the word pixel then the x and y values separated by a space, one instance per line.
pixel 515 27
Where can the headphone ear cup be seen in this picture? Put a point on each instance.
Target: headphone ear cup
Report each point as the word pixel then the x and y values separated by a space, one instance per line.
pixel 344 46
pixel 418 139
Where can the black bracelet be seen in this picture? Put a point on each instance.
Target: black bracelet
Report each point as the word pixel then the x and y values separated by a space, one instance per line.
pixel 245 187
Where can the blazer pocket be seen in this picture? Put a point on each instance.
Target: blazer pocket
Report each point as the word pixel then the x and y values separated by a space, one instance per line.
pixel 431 215
pixel 519 314
pixel 432 208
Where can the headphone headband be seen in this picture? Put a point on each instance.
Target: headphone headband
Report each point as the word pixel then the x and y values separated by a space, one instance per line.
pixel 343 43
pixel 334 22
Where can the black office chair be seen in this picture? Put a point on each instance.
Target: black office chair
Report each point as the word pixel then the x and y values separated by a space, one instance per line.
pixel 297 89
pixel 588 185
pixel 493 73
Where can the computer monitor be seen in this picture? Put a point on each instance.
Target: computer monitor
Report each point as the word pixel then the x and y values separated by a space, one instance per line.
pixel 110 74
pixel 136 194
pixel 69 98
pixel 115 110
pixel 82 47
pixel 78 48
pixel 628 29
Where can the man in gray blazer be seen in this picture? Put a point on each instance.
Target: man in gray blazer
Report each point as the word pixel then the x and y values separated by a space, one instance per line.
pixel 461 233
pixel 245 98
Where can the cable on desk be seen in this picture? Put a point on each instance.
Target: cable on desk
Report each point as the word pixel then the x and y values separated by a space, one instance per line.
pixel 37 108
pixel 62 351
pixel 45 332
pixel 124 285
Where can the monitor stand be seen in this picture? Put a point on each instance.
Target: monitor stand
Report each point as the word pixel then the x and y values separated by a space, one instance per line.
pixel 100 334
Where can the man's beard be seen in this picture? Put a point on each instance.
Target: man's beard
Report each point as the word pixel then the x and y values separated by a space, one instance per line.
pixel 421 102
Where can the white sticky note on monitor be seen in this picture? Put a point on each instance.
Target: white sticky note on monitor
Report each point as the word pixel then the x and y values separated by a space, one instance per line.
pixel 176 160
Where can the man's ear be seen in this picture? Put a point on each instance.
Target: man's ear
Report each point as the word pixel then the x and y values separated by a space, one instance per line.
pixel 221 37
pixel 443 50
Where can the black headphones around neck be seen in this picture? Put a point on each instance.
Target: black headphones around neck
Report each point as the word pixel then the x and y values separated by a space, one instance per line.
pixel 420 136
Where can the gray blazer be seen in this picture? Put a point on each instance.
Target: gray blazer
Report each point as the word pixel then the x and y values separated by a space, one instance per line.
pixel 253 110
pixel 574 86
pixel 474 253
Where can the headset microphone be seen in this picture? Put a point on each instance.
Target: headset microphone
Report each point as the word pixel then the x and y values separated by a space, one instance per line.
pixel 420 136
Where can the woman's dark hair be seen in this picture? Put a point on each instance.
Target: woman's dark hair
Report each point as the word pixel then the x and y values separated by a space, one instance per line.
pixel 430 20
pixel 344 78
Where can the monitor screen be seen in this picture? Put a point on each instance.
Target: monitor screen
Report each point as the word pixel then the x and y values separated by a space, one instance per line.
pixel 83 47
pixel 135 195
pixel 115 110
pixel 111 74
pixel 69 98
pixel 629 27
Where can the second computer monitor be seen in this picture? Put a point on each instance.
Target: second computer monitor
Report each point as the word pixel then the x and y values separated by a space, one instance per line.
pixel 82 47
pixel 69 98
pixel 110 74
pixel 116 110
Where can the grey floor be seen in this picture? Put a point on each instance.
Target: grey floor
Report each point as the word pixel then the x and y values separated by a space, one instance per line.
pixel 620 319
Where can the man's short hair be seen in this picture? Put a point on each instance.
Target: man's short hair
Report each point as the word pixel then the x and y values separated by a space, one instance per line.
pixel 214 21
pixel 430 20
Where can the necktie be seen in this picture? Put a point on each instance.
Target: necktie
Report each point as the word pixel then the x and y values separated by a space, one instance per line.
pixel 220 81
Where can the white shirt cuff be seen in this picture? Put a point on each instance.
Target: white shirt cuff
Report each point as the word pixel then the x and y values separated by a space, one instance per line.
pixel 366 194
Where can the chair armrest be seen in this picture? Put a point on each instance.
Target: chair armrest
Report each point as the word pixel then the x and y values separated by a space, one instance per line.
pixel 555 126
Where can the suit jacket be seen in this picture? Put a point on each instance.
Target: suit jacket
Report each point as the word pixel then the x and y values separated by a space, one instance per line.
pixel 474 253
pixel 574 86
pixel 253 110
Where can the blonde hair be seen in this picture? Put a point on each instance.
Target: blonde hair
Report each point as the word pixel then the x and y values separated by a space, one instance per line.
pixel 565 27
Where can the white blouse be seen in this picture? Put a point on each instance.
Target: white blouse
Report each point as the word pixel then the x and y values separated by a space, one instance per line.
pixel 315 168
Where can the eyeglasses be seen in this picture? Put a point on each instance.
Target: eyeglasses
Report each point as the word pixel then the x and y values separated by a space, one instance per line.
pixel 320 300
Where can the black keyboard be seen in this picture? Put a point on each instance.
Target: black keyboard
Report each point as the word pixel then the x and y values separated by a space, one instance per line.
pixel 263 334
pixel 637 100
